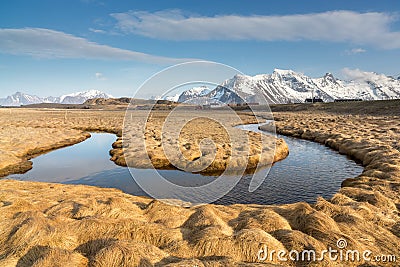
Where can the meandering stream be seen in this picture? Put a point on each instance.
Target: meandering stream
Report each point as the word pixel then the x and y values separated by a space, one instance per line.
pixel 310 170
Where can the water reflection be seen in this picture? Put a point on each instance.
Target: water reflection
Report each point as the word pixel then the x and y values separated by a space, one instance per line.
pixel 310 170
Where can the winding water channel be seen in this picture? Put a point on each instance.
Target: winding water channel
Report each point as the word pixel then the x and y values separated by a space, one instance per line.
pixel 310 170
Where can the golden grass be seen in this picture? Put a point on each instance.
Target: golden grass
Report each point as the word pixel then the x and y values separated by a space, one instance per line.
pixel 26 133
pixel 45 224
pixel 179 141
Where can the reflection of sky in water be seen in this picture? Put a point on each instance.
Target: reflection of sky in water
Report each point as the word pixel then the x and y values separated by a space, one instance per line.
pixel 80 160
pixel 309 171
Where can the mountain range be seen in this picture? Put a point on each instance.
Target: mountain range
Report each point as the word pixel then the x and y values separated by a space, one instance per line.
pixel 19 98
pixel 287 86
pixel 280 87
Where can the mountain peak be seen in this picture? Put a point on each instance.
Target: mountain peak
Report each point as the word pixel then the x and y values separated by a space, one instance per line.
pixel 284 86
pixel 20 98
pixel 18 93
pixel 329 77
pixel 284 72
pixel 194 92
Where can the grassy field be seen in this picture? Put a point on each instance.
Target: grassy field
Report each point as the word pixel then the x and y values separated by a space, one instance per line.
pixel 47 224
pixel 26 133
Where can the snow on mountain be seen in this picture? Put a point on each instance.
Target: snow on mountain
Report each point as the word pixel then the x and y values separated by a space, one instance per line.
pixel 19 98
pixel 81 97
pixel 224 95
pixel 371 85
pixel 284 86
pixel 195 92
pixel 173 98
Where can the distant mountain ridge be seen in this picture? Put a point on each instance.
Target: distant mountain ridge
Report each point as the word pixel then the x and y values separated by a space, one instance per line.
pixel 19 98
pixel 287 86
pixel 195 92
pixel 280 87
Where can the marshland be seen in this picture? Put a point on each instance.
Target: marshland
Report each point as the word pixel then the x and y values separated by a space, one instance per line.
pixel 81 225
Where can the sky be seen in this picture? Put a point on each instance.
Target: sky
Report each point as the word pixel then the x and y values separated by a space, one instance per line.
pixel 53 48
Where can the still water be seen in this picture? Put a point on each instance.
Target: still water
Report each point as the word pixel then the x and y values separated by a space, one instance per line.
pixel 309 171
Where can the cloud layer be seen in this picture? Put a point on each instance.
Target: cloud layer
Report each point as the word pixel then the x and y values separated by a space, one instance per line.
pixel 371 28
pixel 355 51
pixel 45 43
pixel 360 75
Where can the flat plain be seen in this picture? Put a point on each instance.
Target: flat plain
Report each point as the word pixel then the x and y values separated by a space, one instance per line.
pixel 46 224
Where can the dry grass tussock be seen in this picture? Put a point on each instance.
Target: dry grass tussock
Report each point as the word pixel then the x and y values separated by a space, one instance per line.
pixel 26 133
pixel 45 224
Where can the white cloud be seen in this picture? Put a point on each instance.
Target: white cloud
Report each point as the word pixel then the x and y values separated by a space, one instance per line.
pixel 355 51
pixel 100 76
pixel 370 28
pixel 97 30
pixel 360 75
pixel 45 43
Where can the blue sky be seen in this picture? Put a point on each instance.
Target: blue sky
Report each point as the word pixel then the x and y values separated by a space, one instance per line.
pixel 57 47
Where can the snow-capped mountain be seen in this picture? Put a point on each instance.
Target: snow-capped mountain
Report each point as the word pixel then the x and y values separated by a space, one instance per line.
pixel 222 94
pixel 284 86
pixel 173 98
pixel 81 97
pixel 19 98
pixel 194 92
pixel 185 96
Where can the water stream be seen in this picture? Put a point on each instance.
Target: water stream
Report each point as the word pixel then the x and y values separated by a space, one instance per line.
pixel 309 171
